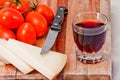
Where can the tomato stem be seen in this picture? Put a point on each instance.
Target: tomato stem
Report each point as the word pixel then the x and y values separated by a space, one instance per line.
pixel 15 2
pixel 27 10
pixel 33 6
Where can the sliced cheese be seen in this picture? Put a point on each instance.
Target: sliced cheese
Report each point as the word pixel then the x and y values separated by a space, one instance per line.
pixel 49 64
pixel 13 59
pixel 3 60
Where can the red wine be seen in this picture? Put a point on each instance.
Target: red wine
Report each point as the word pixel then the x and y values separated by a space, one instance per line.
pixel 90 41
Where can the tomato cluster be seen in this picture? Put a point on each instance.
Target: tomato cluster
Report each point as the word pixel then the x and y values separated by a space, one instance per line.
pixel 22 21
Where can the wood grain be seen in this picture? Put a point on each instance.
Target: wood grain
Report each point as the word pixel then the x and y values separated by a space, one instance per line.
pixel 74 70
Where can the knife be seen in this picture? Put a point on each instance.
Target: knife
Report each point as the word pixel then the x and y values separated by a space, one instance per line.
pixel 55 29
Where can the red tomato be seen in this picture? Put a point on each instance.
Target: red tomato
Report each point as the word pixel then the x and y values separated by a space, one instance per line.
pixel 10 18
pixel 6 33
pixel 46 12
pixel 38 21
pixel 26 33
pixel 5 2
pixel 1 27
pixel 20 5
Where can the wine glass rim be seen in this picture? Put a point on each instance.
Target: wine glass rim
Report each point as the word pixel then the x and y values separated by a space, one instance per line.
pixel 96 28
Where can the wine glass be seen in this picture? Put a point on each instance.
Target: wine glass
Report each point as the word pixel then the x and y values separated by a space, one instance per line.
pixel 89 31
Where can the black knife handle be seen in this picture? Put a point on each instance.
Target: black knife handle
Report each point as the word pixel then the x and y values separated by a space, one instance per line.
pixel 59 17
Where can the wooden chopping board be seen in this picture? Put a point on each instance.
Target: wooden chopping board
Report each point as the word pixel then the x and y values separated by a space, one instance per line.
pixel 73 70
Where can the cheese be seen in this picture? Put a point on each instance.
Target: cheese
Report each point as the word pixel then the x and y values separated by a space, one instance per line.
pixel 13 59
pixel 49 64
pixel 3 60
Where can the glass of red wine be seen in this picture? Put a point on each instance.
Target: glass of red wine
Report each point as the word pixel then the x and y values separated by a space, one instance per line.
pixel 89 31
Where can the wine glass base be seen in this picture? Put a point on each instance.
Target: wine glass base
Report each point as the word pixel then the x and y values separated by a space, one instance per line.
pixel 90 59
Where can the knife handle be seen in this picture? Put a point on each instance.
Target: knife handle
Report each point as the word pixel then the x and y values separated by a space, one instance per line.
pixel 59 17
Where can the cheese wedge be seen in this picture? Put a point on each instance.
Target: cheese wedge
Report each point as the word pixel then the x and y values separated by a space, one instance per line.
pixel 49 64
pixel 3 60
pixel 13 59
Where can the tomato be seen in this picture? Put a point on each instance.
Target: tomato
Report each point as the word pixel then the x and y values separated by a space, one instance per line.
pixel 6 33
pixel 39 23
pixel 10 18
pixel 20 5
pixel 26 33
pixel 5 2
pixel 46 12
pixel 1 27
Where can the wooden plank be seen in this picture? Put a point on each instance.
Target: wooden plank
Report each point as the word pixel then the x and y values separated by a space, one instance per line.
pixel 74 70
pixel 7 72
pixel 32 75
pixel 101 71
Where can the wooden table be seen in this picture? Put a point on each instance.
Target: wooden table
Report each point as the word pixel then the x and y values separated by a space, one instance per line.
pixel 73 70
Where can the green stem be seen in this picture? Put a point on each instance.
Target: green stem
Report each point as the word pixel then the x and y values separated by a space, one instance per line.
pixel 26 10
pixel 33 6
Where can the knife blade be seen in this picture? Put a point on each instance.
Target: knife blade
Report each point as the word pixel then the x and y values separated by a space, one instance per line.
pixel 55 29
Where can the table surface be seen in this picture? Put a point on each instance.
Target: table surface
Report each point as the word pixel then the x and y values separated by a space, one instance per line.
pixel 115 17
